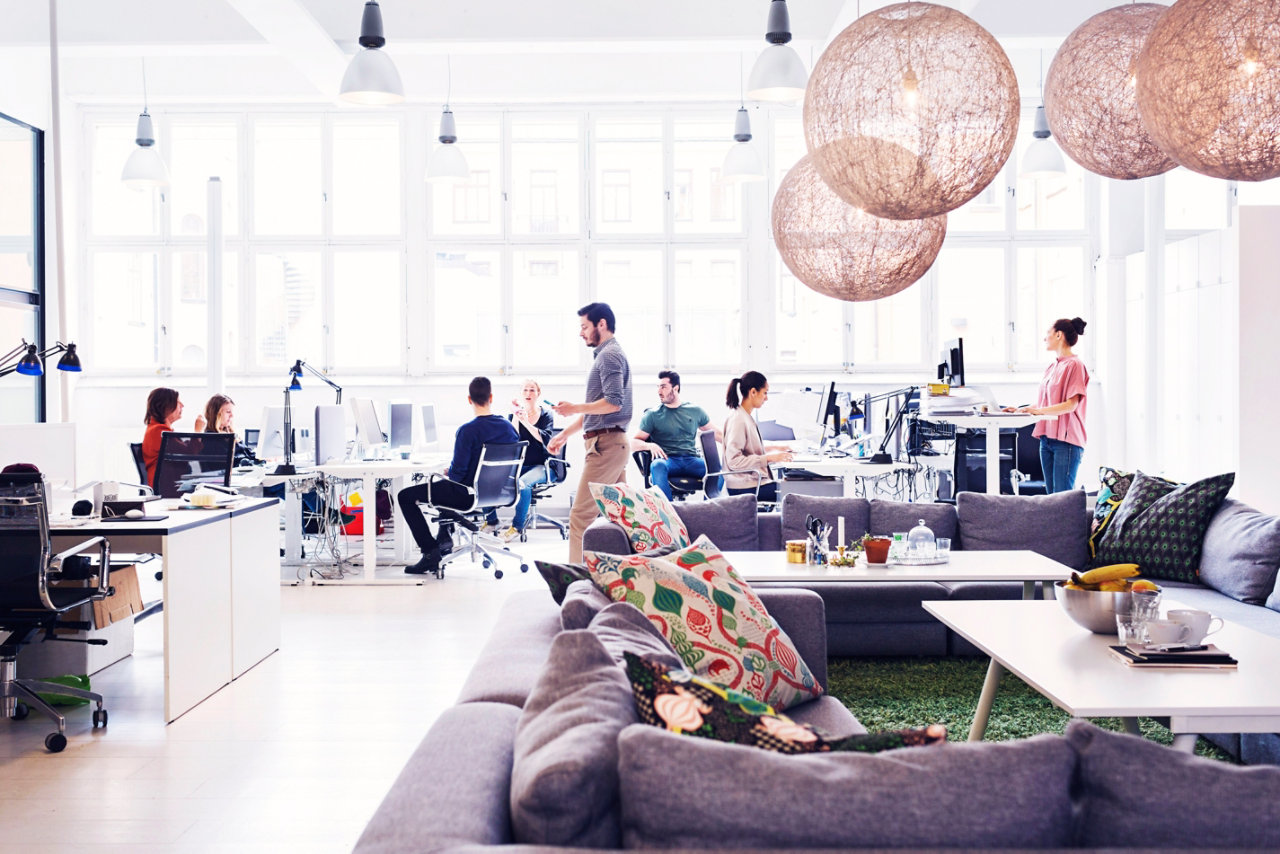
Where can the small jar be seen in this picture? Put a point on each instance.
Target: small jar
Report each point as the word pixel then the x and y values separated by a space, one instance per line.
pixel 921 542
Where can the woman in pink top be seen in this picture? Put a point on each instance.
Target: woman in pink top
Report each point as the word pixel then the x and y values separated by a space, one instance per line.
pixel 1062 393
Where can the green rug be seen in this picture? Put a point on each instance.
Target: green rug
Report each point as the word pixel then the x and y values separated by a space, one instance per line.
pixel 893 693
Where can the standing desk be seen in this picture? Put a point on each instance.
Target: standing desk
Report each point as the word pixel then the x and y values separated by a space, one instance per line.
pixel 991 424
pixel 853 470
pixel 221 574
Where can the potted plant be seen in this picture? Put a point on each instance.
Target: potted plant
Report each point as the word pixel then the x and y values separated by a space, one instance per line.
pixel 877 548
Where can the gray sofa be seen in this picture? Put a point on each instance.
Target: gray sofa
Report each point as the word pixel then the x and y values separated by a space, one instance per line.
pixel 543 751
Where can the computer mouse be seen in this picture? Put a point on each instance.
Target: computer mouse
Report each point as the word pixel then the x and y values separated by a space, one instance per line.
pixel 135 513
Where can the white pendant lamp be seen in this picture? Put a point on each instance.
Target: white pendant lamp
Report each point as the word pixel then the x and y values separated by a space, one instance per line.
pixel 447 165
pixel 779 73
pixel 742 163
pixel 1043 157
pixel 144 170
pixel 372 77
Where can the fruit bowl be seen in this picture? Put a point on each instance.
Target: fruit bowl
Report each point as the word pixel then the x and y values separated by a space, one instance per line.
pixel 1094 610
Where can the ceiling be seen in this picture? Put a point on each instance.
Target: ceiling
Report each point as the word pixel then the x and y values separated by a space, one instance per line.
pixel 500 51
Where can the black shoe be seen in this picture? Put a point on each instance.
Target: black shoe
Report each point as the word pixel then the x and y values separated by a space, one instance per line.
pixel 429 563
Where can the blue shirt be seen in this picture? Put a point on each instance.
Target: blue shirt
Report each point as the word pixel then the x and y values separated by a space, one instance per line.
pixel 482 430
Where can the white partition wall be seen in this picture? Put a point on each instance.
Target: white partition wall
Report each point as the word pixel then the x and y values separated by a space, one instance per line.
pixel 1258 471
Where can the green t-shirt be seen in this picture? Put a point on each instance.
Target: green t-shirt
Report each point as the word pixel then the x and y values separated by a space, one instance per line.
pixel 674 430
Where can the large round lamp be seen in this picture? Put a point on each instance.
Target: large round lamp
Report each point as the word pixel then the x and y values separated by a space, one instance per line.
pixel 1208 87
pixel 844 252
pixel 911 111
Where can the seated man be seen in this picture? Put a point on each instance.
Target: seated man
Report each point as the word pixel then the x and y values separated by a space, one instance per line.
pixel 670 433
pixel 485 429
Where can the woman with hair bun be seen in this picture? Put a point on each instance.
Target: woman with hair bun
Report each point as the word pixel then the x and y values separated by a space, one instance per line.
pixel 1062 394
pixel 744 449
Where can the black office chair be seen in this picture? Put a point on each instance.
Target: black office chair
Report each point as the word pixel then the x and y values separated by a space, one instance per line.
pixel 1027 477
pixel 136 449
pixel 497 484
pixel 971 461
pixel 681 487
pixel 31 600
pixel 713 482
pixel 557 473
pixel 189 459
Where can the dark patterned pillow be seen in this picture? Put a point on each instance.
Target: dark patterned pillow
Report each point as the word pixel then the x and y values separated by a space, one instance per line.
pixel 1113 485
pixel 1160 526
pixel 674 699
pixel 560 575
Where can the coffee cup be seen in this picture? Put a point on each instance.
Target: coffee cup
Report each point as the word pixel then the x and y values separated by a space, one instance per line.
pixel 1161 632
pixel 1198 623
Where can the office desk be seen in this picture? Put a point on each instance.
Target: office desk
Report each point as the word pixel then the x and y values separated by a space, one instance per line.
pixel 294 485
pixel 853 469
pixel 221 589
pixel 991 424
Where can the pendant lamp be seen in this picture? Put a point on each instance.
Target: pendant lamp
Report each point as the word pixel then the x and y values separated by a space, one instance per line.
pixel 144 170
pixel 742 162
pixel 372 77
pixel 779 73
pixel 447 165
pixel 1042 159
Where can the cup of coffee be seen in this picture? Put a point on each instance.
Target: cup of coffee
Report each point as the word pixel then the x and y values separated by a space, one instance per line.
pixel 1199 623
pixel 1161 632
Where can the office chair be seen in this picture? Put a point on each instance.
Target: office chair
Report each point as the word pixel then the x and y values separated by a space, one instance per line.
pixel 30 601
pixel 713 482
pixel 557 473
pixel 497 484
pixel 189 459
pixel 136 449
pixel 971 461
pixel 681 487
pixel 1027 476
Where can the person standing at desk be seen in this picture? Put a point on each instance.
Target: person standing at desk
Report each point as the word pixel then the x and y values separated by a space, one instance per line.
pixel 534 424
pixel 1062 393
pixel 164 409
pixel 744 449
pixel 670 433
pixel 454 492
pixel 603 419
pixel 219 417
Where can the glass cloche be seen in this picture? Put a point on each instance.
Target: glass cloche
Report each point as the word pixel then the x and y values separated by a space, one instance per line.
pixel 920 541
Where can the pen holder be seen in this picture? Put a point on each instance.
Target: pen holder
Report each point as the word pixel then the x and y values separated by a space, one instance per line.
pixel 817 550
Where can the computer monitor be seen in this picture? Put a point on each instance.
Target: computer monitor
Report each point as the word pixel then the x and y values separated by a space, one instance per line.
pixel 368 427
pixel 251 437
pixel 828 412
pixel 271 434
pixel 951 368
pixel 429 436
pixel 331 433
pixel 401 426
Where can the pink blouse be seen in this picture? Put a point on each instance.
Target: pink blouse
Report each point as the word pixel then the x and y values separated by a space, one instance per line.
pixel 1063 380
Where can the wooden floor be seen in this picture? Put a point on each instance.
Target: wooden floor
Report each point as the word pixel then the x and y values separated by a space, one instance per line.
pixel 293 756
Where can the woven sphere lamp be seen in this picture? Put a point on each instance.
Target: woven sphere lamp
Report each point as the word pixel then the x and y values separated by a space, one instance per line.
pixel 1090 99
pixel 911 111
pixel 842 251
pixel 1208 87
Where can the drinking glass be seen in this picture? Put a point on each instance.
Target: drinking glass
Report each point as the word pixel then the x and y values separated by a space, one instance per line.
pixel 1144 605
pixel 1130 630
pixel 944 547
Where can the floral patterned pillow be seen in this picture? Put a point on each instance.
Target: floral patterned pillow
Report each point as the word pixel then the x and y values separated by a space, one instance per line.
pixel 680 702
pixel 646 514
pixel 712 618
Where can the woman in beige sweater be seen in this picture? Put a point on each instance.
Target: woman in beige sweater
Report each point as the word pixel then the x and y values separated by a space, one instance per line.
pixel 744 450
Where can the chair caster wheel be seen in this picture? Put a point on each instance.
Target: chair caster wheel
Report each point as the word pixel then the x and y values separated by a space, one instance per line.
pixel 497 573
pixel 20 711
pixel 99 718
pixel 524 567
pixel 487 563
pixel 55 742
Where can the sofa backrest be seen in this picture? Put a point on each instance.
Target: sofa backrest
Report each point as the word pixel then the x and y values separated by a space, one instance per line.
pixel 796 508
pixel 1056 526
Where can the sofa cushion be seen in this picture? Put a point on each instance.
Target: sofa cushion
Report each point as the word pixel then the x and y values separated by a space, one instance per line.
pixel 604 536
pixel 1051 525
pixel 1273 601
pixel 647 515
pixel 1241 553
pixel 712 618
pixel 730 522
pixel 1113 486
pixel 623 628
pixel 510 660
pixel 582 602
pixel 693 793
pixel 559 576
pixel 891 517
pixel 1161 527
pixel 1135 793
pixel 796 507
pixel 564 781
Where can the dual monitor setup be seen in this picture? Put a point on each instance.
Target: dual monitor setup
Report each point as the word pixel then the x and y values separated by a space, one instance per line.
pixel 327 442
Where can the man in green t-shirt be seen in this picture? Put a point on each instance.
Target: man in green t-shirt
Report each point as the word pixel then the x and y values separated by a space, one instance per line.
pixel 670 433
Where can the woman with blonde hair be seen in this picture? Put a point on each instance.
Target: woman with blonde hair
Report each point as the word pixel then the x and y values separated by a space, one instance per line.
pixel 535 425
pixel 219 417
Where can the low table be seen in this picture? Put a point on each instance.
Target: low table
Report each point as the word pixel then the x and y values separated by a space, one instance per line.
pixel 1073 668
pixel 1025 566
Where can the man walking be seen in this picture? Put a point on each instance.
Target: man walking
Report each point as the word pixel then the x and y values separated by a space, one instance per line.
pixel 670 433
pixel 603 419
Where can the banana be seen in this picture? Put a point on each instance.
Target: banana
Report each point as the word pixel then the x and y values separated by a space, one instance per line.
pixel 1109 573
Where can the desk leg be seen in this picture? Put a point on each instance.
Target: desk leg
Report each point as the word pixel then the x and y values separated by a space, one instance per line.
pixel 197 615
pixel 1185 741
pixel 255 589
pixel 292 525
pixel 369 492
pixel 401 529
pixel 993 460
pixel 1028 590
pixel 1131 726
pixel 994 671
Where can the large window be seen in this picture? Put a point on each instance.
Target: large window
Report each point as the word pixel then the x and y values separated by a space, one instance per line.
pixel 21 264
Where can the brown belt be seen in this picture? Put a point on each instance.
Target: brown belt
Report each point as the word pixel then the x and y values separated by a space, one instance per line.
pixel 591 434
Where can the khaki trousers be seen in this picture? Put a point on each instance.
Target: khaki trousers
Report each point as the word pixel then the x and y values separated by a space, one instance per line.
pixel 606 462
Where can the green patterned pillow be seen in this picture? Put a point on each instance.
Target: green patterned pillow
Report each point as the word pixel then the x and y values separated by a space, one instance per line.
pixel 646 514
pixel 675 700
pixel 1160 526
pixel 1113 485
pixel 560 575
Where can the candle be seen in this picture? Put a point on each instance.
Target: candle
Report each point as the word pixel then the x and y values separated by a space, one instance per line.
pixel 840 531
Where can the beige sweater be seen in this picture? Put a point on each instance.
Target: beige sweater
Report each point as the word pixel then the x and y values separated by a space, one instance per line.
pixel 744 450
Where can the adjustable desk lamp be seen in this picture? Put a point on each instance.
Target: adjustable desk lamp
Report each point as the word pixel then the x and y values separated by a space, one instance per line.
pixel 295 384
pixel 881 456
pixel 30 362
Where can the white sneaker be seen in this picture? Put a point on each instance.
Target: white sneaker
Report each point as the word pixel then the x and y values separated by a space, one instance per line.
pixel 487 527
pixel 510 534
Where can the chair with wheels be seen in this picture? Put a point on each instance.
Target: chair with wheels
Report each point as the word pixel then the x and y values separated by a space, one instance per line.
pixel 497 484
pixel 1027 476
pixel 681 487
pixel 34 595
pixel 713 482
pixel 136 449
pixel 557 473
pixel 189 459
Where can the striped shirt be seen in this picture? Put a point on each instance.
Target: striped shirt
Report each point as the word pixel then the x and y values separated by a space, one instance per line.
pixel 609 379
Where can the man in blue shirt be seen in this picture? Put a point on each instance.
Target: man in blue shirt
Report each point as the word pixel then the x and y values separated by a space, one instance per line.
pixel 670 433
pixel 485 429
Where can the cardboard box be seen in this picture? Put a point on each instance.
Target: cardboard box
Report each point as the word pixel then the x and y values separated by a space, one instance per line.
pixel 124 603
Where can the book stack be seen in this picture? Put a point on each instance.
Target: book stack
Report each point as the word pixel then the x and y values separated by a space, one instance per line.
pixel 1206 657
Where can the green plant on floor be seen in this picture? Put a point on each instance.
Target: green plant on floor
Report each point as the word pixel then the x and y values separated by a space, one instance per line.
pixel 896 693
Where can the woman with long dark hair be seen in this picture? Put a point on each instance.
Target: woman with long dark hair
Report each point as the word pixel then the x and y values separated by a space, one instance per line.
pixel 744 449
pixel 164 408
pixel 1063 393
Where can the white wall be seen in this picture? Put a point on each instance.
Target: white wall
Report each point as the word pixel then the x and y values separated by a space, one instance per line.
pixel 1258 475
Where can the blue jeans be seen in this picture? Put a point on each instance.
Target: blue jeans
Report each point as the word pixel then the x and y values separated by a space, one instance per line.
pixel 1060 461
pixel 661 471
pixel 531 478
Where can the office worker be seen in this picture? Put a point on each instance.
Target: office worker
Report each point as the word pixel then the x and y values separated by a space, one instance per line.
pixel 669 431
pixel 219 417
pixel 744 449
pixel 1063 392
pixel 164 409
pixel 484 429
pixel 534 424
pixel 603 419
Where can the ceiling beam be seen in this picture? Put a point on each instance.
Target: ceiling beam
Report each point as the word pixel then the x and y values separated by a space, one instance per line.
pixel 287 25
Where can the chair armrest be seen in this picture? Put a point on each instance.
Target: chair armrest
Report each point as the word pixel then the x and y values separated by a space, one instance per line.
pixel 723 472
pixel 558 469
pixel 55 568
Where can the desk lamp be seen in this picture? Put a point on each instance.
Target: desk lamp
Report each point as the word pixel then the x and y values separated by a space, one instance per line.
pixel 295 384
pixel 30 362
pixel 881 456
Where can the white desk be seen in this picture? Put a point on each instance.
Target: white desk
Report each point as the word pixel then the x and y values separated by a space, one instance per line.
pixel 851 469
pixel 294 485
pixel 991 424
pixel 221 589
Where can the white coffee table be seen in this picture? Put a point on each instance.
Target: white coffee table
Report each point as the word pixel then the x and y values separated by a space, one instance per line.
pixel 1072 667
pixel 1025 566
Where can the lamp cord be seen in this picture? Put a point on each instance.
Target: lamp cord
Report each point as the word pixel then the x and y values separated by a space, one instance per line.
pixel 448 76
pixel 144 85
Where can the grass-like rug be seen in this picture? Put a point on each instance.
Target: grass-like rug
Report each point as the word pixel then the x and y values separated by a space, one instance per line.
pixel 893 693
